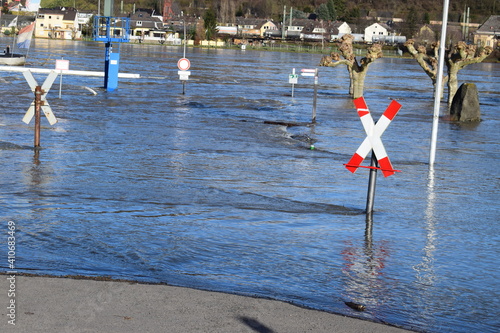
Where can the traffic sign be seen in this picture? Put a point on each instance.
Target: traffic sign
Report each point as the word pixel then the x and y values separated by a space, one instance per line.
pixel 47 84
pixel 308 72
pixel 373 137
pixel 183 64
pixel 293 78
pixel 62 65
pixel 184 75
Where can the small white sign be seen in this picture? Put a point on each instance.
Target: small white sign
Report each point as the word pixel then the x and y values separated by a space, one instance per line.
pixel 293 78
pixel 308 72
pixel 62 65
pixel 184 75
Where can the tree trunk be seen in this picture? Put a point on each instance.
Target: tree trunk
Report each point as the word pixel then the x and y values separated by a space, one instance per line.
pixel 358 83
pixel 351 81
pixel 452 83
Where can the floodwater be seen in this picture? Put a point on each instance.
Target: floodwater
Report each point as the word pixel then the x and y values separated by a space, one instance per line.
pixel 197 190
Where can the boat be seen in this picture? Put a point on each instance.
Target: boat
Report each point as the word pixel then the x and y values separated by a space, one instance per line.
pixel 12 59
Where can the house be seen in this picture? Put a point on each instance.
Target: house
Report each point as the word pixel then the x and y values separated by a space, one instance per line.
pixel 425 35
pixel 339 29
pixel 375 31
pixel 314 30
pixel 9 21
pixel 296 27
pixel 83 19
pixel 255 27
pixel 143 25
pixel 488 34
pixel 60 23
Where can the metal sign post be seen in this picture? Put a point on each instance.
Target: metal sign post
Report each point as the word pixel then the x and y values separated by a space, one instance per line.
pixel 315 98
pixel 293 79
pixel 109 29
pixel 61 65
pixel 313 73
pixel 373 142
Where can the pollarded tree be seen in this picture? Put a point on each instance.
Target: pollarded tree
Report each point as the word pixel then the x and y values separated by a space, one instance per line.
pixel 429 63
pixel 357 70
pixel 460 56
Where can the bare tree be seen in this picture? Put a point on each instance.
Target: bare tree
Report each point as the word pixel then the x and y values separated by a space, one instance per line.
pixel 226 11
pixel 357 70
pixel 429 63
pixel 460 56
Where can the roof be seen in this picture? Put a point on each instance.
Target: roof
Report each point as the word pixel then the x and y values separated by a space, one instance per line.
pixel 383 25
pixel 251 21
pixel 147 21
pixel 69 14
pixel 491 26
pixel 22 20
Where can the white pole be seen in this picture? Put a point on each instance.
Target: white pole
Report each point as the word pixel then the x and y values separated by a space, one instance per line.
pixel 439 84
pixel 184 24
pixel 60 80
pixel 60 84
pixel 185 40
pixel 284 23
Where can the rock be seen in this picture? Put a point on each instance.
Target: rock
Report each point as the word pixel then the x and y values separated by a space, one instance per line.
pixel 355 306
pixel 465 104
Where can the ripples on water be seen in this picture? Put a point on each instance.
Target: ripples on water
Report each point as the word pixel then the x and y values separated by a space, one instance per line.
pixel 196 190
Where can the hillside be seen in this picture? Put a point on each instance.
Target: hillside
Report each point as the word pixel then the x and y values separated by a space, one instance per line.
pixel 419 10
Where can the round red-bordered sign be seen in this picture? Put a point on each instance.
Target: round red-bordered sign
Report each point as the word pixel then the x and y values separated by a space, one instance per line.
pixel 183 64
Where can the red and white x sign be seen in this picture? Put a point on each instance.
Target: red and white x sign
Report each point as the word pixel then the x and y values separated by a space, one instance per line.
pixel 373 134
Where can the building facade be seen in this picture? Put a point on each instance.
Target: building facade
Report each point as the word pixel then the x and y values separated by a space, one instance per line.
pixel 488 34
pixel 57 23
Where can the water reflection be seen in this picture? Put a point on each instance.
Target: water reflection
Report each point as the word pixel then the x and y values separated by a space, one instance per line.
pixel 363 266
pixel 35 174
pixel 425 274
pixel 425 270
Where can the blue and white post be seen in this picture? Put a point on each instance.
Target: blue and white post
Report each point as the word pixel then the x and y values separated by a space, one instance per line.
pixel 110 29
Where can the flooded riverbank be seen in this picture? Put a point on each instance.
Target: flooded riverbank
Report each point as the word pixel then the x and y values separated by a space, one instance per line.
pixel 145 183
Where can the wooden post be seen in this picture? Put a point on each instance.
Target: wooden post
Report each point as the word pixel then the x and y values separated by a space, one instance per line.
pixel 38 107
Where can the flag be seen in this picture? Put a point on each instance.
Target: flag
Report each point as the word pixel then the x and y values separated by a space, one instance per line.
pixel 13 23
pixel 24 37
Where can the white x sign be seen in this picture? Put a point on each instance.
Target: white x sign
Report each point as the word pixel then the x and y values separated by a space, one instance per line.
pixel 47 84
pixel 373 134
